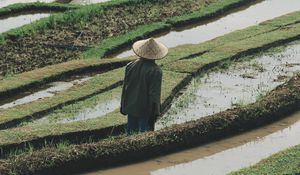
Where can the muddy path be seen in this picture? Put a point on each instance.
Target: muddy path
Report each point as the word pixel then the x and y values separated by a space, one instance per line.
pixel 229 22
pixel 20 20
pixel 222 156
pixel 67 41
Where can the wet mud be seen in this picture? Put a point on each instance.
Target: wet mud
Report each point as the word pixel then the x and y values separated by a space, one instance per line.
pixel 222 156
pixel 208 30
pixel 238 85
pixel 18 21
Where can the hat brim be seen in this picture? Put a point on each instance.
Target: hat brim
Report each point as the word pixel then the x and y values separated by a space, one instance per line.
pixel 160 50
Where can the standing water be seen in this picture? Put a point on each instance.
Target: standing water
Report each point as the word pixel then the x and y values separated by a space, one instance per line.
pixel 4 3
pixel 50 91
pixel 240 84
pixel 18 21
pixel 253 15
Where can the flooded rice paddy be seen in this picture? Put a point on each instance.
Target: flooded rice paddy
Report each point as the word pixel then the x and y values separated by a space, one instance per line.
pixel 240 84
pixel 48 91
pixel 18 21
pixel 220 157
pixel 253 15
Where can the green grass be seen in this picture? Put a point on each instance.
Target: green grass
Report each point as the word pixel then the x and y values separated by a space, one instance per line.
pixel 284 162
pixel 29 132
pixel 232 49
pixel 93 86
pixel 53 72
pixel 72 110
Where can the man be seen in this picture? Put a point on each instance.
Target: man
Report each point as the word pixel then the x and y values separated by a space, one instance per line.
pixel 142 86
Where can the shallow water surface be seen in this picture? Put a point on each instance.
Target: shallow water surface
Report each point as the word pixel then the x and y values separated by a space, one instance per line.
pixel 253 15
pixel 4 3
pixel 222 156
pixel 18 21
pixel 240 84
pixel 99 110
pixel 50 90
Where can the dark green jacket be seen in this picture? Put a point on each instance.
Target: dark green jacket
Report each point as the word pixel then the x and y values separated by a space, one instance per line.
pixel 141 89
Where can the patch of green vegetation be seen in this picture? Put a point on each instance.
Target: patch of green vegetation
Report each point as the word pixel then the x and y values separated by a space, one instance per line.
pixel 17 82
pixel 284 162
pixel 30 132
pixel 36 6
pixel 92 87
pixel 69 112
pixel 235 49
pixel 109 45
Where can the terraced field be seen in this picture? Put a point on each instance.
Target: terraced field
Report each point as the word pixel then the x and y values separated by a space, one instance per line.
pixel 60 81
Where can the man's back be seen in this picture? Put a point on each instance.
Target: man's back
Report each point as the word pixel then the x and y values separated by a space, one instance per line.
pixel 141 89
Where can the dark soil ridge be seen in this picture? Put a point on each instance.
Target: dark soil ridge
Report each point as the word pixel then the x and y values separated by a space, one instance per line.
pixel 36 7
pixel 83 36
pixel 98 134
pixel 282 101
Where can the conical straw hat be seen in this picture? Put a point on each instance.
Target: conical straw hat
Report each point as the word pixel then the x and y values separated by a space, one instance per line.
pixel 150 49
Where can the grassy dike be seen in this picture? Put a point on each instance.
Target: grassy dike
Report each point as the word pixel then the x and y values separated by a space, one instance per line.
pixel 92 35
pixel 67 159
pixel 20 8
pixel 284 162
pixel 19 82
pixel 19 136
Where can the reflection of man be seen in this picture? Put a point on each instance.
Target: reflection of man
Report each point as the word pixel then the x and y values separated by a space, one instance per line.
pixel 142 86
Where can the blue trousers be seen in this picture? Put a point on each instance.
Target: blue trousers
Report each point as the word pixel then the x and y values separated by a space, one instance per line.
pixel 137 124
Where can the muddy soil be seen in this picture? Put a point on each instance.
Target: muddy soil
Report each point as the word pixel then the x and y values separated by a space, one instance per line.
pixel 65 42
pixel 18 21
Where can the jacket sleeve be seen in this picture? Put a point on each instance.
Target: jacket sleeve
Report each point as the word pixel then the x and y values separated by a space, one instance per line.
pixel 155 92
